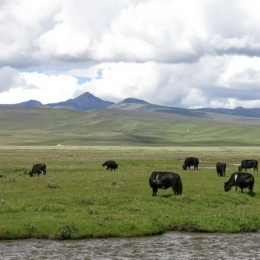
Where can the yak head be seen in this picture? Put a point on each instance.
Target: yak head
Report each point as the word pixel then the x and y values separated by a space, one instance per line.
pixel 156 180
pixel 227 186
pixel 184 167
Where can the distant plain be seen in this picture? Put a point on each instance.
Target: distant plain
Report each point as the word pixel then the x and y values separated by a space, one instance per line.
pixel 115 127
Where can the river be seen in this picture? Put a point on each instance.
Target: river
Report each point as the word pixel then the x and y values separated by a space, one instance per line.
pixel 171 245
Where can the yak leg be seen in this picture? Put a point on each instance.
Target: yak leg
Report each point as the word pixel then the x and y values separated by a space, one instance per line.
pixel 155 191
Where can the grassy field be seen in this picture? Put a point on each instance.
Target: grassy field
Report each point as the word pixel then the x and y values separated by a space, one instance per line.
pixel 33 127
pixel 78 198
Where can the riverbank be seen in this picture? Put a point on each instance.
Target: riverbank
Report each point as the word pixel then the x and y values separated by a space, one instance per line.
pixel 78 198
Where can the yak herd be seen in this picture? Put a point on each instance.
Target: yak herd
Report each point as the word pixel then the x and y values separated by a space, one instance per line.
pixel 165 180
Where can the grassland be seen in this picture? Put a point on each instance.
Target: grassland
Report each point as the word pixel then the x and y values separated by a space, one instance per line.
pixel 78 198
pixel 45 127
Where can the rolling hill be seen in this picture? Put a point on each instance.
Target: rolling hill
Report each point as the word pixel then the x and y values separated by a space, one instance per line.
pixel 123 127
pixel 88 120
pixel 132 104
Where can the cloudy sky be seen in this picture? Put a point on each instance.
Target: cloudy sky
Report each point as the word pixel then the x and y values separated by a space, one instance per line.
pixel 182 53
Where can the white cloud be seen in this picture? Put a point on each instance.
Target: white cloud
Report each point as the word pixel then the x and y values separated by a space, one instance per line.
pixel 194 99
pixel 172 52
pixel 22 22
pixel 241 73
pixel 41 87
pixel 156 83
pixel 10 78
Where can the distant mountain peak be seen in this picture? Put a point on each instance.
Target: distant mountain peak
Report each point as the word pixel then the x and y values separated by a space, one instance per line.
pixel 27 104
pixel 84 102
pixel 85 96
pixel 132 100
pixel 87 101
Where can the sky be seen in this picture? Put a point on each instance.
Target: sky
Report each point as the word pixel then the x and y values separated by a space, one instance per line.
pixel 180 53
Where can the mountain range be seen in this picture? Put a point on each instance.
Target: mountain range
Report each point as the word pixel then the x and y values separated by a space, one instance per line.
pixel 87 102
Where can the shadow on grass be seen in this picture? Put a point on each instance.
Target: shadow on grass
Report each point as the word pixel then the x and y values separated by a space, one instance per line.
pixel 251 195
pixel 168 196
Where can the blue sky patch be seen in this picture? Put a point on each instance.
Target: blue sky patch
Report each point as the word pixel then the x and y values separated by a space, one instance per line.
pixel 34 69
pixel 82 80
pixel 99 74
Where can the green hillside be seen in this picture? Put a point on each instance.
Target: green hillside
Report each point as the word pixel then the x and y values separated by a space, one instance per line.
pixel 41 126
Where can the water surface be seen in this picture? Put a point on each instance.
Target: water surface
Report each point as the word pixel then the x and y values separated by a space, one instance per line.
pixel 171 245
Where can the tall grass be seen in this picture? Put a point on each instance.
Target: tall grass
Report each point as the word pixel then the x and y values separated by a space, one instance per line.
pixel 78 198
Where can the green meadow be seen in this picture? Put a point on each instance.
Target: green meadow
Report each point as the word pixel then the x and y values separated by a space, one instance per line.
pixel 78 198
pixel 41 127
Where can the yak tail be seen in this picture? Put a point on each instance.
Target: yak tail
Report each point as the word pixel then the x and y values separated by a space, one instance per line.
pixel 179 185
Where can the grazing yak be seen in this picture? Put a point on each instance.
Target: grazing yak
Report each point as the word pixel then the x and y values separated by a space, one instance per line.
pixel 165 180
pixel 241 180
pixel 221 169
pixel 111 165
pixel 189 161
pixel 37 169
pixel 246 164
